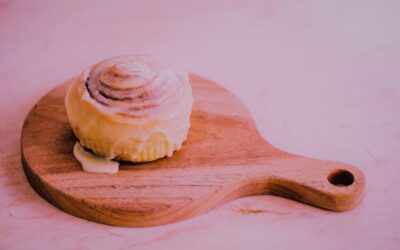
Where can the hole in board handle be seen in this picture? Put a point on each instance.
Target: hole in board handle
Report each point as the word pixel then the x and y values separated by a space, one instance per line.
pixel 341 178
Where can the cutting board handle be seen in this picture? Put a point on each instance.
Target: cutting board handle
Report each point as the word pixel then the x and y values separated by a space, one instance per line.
pixel 330 185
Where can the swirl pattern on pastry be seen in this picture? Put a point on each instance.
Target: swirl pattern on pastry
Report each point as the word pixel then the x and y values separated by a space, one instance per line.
pixel 135 86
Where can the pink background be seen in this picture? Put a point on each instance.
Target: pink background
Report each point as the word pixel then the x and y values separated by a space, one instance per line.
pixel 321 78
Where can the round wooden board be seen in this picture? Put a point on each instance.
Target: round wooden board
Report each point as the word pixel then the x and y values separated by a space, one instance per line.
pixel 224 158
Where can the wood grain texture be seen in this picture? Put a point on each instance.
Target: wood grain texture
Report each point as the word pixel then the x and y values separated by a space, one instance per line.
pixel 224 158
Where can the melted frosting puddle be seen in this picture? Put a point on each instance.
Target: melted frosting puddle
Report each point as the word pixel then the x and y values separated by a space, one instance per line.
pixel 94 164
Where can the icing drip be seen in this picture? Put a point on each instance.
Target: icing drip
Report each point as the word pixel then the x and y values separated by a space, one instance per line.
pixel 94 164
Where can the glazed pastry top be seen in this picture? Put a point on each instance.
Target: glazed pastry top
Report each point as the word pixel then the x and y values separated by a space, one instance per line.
pixel 135 86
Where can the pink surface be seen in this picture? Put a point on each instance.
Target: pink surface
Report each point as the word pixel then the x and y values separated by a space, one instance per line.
pixel 321 79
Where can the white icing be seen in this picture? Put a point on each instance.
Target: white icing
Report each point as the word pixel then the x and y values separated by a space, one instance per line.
pixel 135 86
pixel 135 68
pixel 94 164
pixel 106 131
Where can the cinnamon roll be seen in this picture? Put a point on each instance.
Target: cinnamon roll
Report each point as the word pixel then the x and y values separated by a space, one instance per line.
pixel 131 108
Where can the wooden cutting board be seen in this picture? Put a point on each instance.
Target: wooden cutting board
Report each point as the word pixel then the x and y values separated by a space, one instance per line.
pixel 224 158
